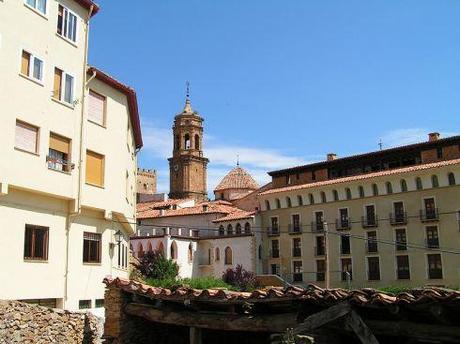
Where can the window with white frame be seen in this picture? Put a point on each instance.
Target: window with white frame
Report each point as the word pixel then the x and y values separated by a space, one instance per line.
pixel 31 66
pixel 26 137
pixel 63 89
pixel 39 5
pixel 67 24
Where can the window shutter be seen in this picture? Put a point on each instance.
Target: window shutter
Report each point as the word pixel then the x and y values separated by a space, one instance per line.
pixel 57 83
pixel 25 63
pixel 60 144
pixel 96 107
pixel 94 168
pixel 26 137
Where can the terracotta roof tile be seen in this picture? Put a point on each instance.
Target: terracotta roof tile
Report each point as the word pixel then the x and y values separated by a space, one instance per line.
pixel 236 215
pixel 238 178
pixel 363 176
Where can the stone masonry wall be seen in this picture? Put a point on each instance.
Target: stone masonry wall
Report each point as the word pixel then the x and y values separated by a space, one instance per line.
pixel 25 323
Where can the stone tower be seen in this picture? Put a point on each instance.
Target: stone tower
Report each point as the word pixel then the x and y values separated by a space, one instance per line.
pixel 188 166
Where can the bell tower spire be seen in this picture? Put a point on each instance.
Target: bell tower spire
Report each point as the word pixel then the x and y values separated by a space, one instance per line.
pixel 188 166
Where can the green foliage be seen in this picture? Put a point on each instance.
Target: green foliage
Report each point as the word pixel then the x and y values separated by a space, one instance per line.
pixel 391 289
pixel 196 283
pixel 153 265
pixel 240 278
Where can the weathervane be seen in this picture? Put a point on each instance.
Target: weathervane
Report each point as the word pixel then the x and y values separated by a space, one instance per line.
pixel 237 160
pixel 188 90
pixel 380 144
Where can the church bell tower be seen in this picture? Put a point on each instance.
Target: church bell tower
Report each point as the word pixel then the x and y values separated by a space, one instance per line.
pixel 188 166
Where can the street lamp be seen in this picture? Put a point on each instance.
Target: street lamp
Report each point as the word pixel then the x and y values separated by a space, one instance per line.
pixel 118 237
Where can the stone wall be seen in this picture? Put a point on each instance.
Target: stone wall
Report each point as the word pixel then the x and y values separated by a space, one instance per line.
pixel 26 323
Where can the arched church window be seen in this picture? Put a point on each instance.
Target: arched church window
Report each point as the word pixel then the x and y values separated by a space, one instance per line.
pixel 238 228
pixel 190 253
pixel 228 256
pixel 221 230
pixel 161 248
pixel 247 228
pixel 149 247
pixel 197 141
pixel 174 250
pixel 229 230
pixel 217 254
pixel 187 141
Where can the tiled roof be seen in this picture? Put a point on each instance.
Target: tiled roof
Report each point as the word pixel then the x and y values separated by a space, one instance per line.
pixel 237 178
pixel 87 4
pixel 325 297
pixel 364 176
pixel 215 207
pixel 237 215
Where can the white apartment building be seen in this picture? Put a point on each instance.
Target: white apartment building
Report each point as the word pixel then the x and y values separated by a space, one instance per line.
pixel 70 136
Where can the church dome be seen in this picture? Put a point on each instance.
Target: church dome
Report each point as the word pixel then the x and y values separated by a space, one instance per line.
pixel 237 178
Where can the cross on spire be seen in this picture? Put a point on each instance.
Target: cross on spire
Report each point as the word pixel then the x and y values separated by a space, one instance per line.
pixel 237 160
pixel 188 106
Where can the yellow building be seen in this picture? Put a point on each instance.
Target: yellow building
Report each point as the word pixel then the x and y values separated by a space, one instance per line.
pixel 386 218
pixel 70 135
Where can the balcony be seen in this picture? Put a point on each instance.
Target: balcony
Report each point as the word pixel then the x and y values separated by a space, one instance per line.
pixel 398 218
pixel 274 253
pixel 296 252
pixel 295 228
pixel 59 164
pixel 435 273
pixel 403 274
pixel 320 276
pixel 343 224
pixel 273 231
pixel 432 243
pixel 374 275
pixel 369 221
pixel 401 246
pixel 371 247
pixel 345 249
pixel 317 226
pixel 320 251
pixel 347 275
pixel 429 215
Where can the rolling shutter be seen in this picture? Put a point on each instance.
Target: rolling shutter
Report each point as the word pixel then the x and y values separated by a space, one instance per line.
pixel 94 168
pixel 57 83
pixel 26 137
pixel 96 108
pixel 25 63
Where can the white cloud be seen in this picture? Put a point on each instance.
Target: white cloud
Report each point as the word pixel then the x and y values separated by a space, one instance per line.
pixel 401 137
pixel 157 141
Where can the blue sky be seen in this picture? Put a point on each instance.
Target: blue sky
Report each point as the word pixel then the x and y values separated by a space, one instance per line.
pixel 283 83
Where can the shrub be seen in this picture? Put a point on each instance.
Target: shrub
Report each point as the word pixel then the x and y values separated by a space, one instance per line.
pixel 195 283
pixel 240 278
pixel 154 265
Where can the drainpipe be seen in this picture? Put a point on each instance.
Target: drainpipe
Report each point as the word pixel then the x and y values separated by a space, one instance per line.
pixel 73 214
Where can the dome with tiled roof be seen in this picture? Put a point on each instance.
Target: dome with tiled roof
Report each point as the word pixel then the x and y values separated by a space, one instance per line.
pixel 238 178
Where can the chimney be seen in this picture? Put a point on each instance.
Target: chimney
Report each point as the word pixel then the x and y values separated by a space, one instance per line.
pixel 433 137
pixel 331 156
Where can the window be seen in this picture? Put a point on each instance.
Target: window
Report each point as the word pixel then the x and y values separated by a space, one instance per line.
pixel 190 253
pixel 375 190
pixel 373 265
pixel 323 197
pixel 173 249
pixel 296 247
pixel 99 303
pixel 63 88
pixel 31 66
pixel 298 275
pixel 320 248
pixel 361 191
pixel 36 243
pixel 434 266
pixel 418 183
pixel 434 181
pixel 439 152
pixel 335 195
pixel 344 221
pixel 311 198
pixel 347 270
pixel 229 229
pixel 402 267
pixel 228 256
pixel 67 24
pixel 94 168
pixel 403 185
pixel 318 225
pixel 96 108
pixel 267 205
pixel 59 153
pixel 238 228
pixel 221 230
pixel 288 202
pixel 274 227
pixel 372 242
pixel 430 212
pixel 197 142
pixel 295 226
pixel 389 187
pixel 398 216
pixel 370 218
pixel 91 247
pixel 432 238
pixel 217 254
pixel 451 178
pixel 275 269
pixel 187 141
pixel 260 252
pixel 344 244
pixel 39 5
pixel 278 203
pixel 401 239
pixel 313 175
pixel 247 228
pixel 299 200
pixel 288 180
pixel 26 137
pixel 320 270
pixel 348 193
pixel 84 304
pixel 275 251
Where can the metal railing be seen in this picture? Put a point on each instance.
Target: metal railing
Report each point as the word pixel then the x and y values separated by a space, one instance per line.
pixel 398 218
pixel 295 228
pixel 429 215
pixel 432 243
pixel 369 221
pixel 434 273
pixel 273 231
pixel 320 251
pixel 274 253
pixel 317 226
pixel 343 224
pixel 371 247
pixel 296 252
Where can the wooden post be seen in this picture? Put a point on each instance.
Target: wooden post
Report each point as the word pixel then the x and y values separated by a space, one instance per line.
pixel 360 328
pixel 195 335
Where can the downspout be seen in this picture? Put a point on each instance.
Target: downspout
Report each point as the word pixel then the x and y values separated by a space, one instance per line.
pixel 72 213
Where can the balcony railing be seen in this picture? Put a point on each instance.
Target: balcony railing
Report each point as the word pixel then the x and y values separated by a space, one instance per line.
pixel 369 221
pixel 344 249
pixel 317 226
pixel 398 218
pixel 429 215
pixel 347 275
pixel 371 247
pixel 320 276
pixel 374 275
pixel 296 252
pixel 403 274
pixel 343 224
pixel 273 231
pixel 401 246
pixel 59 164
pixel 295 228
pixel 320 251
pixel 432 243
pixel 435 273
pixel 274 253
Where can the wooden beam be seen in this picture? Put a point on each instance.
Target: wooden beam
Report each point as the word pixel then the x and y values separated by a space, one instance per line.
pixel 360 328
pixel 225 322
pixel 322 318
pixel 195 335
